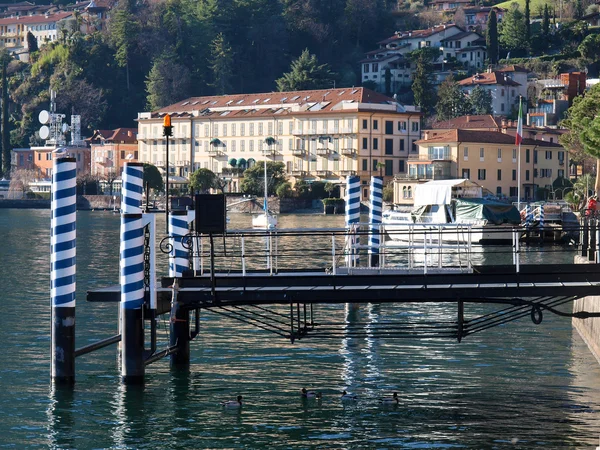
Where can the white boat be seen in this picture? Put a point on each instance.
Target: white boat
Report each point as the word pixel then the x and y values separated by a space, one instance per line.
pixel 265 220
pixel 453 211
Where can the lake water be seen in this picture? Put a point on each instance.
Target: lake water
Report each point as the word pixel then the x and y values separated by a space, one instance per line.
pixel 515 386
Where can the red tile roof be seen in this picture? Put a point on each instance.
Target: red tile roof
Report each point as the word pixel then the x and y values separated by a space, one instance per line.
pixel 466 122
pixel 267 104
pixel 481 137
pixel 126 135
pixel 513 68
pixel 36 19
pixel 419 33
pixel 487 78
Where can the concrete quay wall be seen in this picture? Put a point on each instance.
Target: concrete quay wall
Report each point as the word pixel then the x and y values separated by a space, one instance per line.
pixel 588 329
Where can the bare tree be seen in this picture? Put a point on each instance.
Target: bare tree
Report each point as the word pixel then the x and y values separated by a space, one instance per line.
pixel 20 181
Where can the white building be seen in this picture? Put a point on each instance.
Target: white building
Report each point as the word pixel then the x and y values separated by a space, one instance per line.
pixel 392 55
pixel 504 90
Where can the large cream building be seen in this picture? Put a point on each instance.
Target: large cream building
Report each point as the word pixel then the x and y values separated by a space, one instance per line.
pixel 323 135
pixel 488 158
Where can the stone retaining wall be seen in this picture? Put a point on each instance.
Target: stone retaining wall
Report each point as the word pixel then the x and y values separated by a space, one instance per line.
pixel 588 329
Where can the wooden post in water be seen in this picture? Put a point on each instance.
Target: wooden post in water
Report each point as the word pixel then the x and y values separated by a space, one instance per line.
pixel 63 269
pixel 132 276
pixel 178 262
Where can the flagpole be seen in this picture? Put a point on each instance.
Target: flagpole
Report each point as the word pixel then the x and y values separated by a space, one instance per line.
pixel 519 139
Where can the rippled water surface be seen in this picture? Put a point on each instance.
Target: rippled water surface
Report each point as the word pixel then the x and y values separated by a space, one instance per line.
pixel 514 386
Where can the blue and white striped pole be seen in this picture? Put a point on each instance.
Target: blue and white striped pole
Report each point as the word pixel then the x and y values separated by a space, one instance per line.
pixel 528 216
pixel 132 275
pixel 352 217
pixel 178 262
pixel 375 219
pixel 63 269
pixel 542 223
pixel 178 256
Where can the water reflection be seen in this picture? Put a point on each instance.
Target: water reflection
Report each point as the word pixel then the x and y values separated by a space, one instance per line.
pixel 60 413
pixel 129 416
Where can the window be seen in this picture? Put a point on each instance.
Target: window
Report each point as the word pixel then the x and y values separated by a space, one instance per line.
pixel 499 190
pixel 242 129
pixel 389 167
pixel 365 124
pixel 414 147
pixel 527 175
pixel 466 154
pixel 502 107
pixel 365 68
pixel 260 129
pixel 514 175
pixel 291 127
pixel 215 129
pixel 389 146
pixel 401 126
pixel 438 153
pixel 481 174
pixel 374 67
pixel 514 158
pixel 365 164
pixel 205 130
pixel 251 145
pixel 375 144
pixel 561 157
pixel 499 155
pixel 548 154
pixel 513 191
pixel 401 167
pixel 481 153
pixel 270 128
pixel 375 124
pixel 499 174
pixel 401 145
pixel 527 157
pixel 242 146
pixel 415 126
pixel 365 145
pixel 389 127
pixel 466 173
pixel 280 128
pixel 375 162
pixel 502 93
pixel 251 130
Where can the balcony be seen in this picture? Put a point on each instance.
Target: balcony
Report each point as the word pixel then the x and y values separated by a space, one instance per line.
pixel 425 158
pixel 214 152
pixel 298 173
pixel 323 173
pixel 303 132
pixel 323 151
pixel 298 152
pixel 232 171
pixel 348 152
pixel 269 152
pixel 347 173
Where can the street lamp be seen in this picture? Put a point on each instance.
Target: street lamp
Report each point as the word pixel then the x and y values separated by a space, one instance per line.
pixel 167 132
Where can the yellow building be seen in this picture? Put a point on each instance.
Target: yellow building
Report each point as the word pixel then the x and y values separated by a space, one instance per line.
pixel 323 135
pixel 488 158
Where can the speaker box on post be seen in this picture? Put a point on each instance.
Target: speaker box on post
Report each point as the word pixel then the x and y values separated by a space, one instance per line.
pixel 210 213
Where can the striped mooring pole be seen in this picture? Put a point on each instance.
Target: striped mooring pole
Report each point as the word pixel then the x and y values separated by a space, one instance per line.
pixel 528 216
pixel 63 269
pixel 352 217
pixel 375 219
pixel 178 262
pixel 132 276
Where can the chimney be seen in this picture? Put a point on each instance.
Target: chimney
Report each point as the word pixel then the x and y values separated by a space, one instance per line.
pixel 426 134
pixel 503 123
pixel 129 134
pixel 468 118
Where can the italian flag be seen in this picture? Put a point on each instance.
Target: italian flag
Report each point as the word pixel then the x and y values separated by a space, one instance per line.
pixel 519 135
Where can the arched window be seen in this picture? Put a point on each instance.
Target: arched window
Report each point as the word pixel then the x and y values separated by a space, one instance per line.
pixel 409 192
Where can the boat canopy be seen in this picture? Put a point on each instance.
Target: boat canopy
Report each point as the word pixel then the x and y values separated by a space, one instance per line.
pixel 494 212
pixel 441 192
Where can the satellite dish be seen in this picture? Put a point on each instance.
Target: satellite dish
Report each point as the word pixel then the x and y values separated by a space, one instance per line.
pixel 44 132
pixel 65 127
pixel 44 116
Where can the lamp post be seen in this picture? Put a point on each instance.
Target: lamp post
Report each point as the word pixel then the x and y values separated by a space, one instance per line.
pixel 167 132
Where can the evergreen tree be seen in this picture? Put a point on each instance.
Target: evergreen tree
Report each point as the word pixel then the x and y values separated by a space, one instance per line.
pixel 32 43
pixel 527 20
pixel 481 101
pixel 421 87
pixel 578 9
pixel 221 65
pixel 306 73
pixel 582 123
pixel 590 47
pixel 123 31
pixel 452 101
pixel 546 23
pixel 168 82
pixel 491 37
pixel 202 180
pixel 513 32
